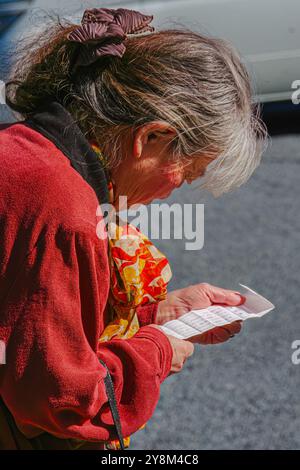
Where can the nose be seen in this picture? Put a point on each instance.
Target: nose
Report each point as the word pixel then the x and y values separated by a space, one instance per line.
pixel 189 180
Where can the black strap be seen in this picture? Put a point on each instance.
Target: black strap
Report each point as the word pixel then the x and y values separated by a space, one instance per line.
pixel 11 423
pixel 113 404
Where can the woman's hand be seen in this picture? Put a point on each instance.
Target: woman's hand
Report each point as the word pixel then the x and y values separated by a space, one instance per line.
pixel 219 334
pixel 182 349
pixel 200 296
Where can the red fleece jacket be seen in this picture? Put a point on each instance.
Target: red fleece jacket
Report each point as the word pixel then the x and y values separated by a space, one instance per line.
pixel 54 285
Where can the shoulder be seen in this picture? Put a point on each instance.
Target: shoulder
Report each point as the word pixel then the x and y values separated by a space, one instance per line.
pixel 37 180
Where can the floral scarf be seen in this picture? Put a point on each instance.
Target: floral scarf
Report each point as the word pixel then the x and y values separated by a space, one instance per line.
pixel 139 275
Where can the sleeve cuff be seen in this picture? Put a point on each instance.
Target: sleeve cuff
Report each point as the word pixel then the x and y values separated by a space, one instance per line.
pixel 164 346
pixel 147 313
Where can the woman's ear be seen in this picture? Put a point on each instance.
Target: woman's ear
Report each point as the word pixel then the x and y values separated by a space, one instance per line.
pixel 153 132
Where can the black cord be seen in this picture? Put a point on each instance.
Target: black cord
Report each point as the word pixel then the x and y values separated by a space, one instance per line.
pixel 113 404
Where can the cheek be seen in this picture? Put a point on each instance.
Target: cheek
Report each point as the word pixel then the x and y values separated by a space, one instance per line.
pixel 163 185
pixel 172 178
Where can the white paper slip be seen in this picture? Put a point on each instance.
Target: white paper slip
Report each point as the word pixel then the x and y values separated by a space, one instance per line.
pixel 196 322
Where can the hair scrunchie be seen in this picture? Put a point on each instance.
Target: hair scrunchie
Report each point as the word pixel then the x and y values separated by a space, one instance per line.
pixel 103 32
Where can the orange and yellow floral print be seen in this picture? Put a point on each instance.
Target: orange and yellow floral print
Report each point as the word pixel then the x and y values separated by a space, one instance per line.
pixel 140 274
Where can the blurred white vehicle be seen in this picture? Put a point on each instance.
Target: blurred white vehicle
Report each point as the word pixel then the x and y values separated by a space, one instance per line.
pixel 10 11
pixel 266 32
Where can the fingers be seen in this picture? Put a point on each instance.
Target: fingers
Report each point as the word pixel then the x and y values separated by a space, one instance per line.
pixel 182 350
pixel 224 333
pixel 217 295
pixel 235 327
pixel 219 334
pixel 189 348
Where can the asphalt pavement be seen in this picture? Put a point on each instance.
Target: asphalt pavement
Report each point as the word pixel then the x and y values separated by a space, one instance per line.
pixel 243 394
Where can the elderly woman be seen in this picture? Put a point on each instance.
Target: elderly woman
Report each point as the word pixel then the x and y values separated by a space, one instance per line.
pixel 109 108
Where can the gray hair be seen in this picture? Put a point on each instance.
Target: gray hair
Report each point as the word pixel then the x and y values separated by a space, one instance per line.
pixel 197 84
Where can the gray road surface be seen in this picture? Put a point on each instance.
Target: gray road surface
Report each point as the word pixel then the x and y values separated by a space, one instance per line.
pixel 243 394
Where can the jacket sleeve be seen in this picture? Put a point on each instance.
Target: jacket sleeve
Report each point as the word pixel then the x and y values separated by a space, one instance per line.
pixel 53 380
pixel 147 314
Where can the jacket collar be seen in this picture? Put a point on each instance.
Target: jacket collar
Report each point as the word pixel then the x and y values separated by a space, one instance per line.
pixel 58 125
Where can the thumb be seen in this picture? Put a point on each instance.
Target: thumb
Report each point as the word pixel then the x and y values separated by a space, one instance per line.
pixel 189 348
pixel 224 296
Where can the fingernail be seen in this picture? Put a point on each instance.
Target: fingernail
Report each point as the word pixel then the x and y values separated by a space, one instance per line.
pixel 242 298
pixel 236 297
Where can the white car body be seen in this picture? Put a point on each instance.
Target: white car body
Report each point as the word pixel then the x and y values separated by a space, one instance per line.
pixel 266 32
